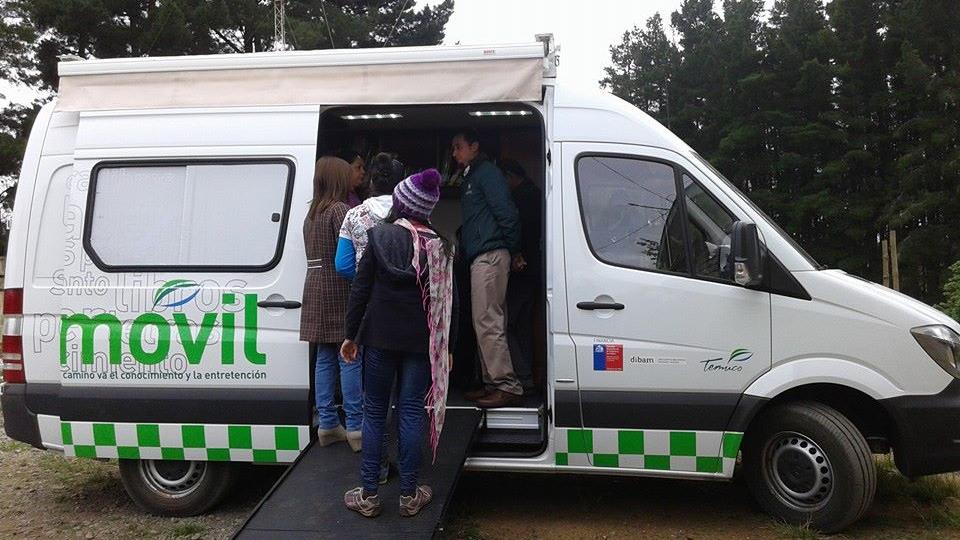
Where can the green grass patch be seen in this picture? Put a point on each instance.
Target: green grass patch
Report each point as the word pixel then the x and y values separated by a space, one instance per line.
pixel 928 490
pixel 795 532
pixel 81 475
pixel 10 445
pixel 187 530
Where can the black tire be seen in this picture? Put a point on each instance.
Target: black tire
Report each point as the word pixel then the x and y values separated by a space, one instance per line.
pixel 807 464
pixel 176 488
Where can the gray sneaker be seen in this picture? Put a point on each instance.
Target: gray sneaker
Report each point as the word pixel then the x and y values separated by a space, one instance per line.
pixel 411 504
pixel 365 506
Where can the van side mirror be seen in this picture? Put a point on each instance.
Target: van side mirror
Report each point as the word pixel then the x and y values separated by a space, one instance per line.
pixel 746 254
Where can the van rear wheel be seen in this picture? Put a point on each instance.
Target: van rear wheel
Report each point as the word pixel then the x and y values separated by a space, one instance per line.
pixel 175 488
pixel 807 464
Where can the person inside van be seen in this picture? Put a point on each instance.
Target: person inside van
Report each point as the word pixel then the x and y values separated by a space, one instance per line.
pixel 524 285
pixel 325 296
pixel 490 238
pixel 357 192
pixel 385 174
pixel 402 311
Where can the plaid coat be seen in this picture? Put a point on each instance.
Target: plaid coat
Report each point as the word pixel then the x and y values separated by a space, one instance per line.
pixel 325 292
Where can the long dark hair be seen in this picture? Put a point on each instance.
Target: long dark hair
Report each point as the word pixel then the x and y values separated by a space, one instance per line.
pixel 394 215
pixel 385 173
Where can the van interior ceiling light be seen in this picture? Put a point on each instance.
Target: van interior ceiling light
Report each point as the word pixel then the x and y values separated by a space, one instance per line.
pixel 942 344
pixel 378 116
pixel 499 113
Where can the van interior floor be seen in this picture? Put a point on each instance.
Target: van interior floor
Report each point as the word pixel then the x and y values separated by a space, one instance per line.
pixel 307 501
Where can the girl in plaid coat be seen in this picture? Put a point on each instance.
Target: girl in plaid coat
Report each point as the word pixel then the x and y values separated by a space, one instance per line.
pixel 325 296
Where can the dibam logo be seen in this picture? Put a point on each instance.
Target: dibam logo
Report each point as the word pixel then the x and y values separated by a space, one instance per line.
pixel 171 287
pixel 191 336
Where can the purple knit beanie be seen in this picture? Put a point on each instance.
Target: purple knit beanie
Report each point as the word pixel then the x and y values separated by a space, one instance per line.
pixel 417 194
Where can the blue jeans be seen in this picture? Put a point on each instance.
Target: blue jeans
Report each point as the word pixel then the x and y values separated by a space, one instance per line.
pixel 412 371
pixel 328 358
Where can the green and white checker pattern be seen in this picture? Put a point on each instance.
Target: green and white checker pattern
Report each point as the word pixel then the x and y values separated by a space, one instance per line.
pixel 713 452
pixel 200 442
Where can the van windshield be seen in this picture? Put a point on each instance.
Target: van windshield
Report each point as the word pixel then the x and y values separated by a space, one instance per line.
pixel 757 209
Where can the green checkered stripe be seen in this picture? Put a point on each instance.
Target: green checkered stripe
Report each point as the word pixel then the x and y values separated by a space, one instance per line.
pixel 198 442
pixel 712 452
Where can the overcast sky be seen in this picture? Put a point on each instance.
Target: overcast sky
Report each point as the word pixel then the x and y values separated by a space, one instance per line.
pixel 585 30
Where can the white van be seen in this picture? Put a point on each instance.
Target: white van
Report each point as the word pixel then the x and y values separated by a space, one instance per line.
pixel 155 265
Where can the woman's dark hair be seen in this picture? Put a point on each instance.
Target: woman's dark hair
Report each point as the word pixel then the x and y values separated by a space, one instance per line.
pixel 349 155
pixel 469 135
pixel 385 173
pixel 394 215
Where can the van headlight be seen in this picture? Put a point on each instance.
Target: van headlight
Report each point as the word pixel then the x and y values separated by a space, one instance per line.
pixel 942 344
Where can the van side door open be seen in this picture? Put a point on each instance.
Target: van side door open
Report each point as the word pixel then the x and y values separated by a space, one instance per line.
pixel 665 340
pixel 179 327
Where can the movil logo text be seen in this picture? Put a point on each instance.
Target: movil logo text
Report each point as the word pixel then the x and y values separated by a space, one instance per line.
pixel 193 338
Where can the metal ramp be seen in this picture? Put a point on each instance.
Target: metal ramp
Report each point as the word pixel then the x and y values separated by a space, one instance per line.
pixel 307 501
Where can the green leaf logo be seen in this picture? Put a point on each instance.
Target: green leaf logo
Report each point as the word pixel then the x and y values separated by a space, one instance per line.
pixel 172 286
pixel 740 355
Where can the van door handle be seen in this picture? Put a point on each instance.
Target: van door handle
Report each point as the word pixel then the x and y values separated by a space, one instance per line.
pixel 600 305
pixel 285 304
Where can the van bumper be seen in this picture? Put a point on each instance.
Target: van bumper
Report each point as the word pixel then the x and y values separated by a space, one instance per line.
pixel 928 431
pixel 18 421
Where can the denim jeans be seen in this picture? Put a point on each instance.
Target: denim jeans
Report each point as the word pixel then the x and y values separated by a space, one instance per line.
pixel 328 359
pixel 412 371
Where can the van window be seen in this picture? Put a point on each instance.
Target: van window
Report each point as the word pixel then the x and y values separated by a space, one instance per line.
pixel 630 212
pixel 208 215
pixel 709 231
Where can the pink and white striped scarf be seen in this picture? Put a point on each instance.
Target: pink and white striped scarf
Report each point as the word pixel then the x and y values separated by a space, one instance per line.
pixel 438 303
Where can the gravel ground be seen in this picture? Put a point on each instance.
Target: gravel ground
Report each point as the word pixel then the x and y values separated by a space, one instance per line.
pixel 44 495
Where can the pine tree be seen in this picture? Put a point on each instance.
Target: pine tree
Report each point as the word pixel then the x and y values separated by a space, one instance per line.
pixel 924 204
pixel 744 153
pixel 643 69
pixel 698 80
pixel 860 173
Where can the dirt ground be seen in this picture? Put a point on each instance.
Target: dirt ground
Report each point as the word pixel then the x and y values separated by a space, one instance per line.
pixel 44 495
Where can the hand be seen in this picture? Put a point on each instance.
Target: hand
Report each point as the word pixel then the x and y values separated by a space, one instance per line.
pixel 519 263
pixel 348 351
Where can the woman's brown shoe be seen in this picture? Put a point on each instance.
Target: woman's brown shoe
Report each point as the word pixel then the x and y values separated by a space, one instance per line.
pixel 499 398
pixel 474 395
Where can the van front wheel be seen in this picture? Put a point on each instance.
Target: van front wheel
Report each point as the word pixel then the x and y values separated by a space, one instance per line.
pixel 807 464
pixel 175 488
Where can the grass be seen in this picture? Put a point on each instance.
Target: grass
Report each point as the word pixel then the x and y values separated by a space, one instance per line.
pixel 187 530
pixel 795 532
pixel 10 445
pixel 927 491
pixel 80 475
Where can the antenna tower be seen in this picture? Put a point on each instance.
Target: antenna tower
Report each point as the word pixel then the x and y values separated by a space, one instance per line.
pixel 279 26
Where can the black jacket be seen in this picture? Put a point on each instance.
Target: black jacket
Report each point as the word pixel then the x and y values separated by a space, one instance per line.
pixel 490 219
pixel 386 309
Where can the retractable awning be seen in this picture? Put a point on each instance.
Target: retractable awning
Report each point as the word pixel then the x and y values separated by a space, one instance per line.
pixel 391 76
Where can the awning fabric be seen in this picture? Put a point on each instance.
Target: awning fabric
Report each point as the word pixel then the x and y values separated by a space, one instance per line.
pixel 415 78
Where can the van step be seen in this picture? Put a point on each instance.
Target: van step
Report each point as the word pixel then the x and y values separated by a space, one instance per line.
pixel 500 441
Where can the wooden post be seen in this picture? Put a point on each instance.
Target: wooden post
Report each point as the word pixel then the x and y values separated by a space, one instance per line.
pixel 885 257
pixel 894 265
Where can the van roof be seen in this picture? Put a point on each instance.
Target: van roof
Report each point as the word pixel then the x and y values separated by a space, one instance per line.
pixel 394 76
pixel 589 114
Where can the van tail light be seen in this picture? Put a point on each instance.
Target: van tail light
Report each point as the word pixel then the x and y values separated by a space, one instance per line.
pixel 11 353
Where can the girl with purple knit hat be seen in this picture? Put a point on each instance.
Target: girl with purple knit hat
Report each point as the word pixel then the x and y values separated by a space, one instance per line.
pixel 403 311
